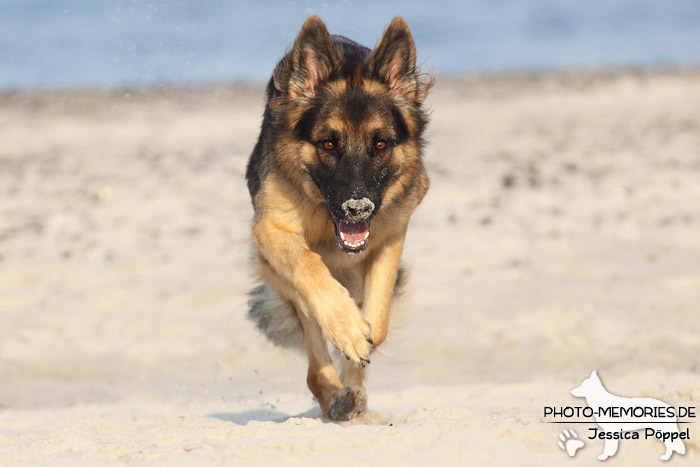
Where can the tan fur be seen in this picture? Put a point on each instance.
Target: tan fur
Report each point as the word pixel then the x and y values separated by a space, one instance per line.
pixel 299 258
pixel 336 296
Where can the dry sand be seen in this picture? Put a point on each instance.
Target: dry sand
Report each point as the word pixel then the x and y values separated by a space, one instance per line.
pixel 561 234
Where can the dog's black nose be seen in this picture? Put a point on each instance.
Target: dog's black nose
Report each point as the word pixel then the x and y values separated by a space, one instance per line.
pixel 357 210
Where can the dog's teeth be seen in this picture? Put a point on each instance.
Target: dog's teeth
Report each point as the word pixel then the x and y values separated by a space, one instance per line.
pixel 354 244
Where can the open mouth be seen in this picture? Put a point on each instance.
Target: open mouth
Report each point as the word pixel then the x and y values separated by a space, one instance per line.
pixel 352 236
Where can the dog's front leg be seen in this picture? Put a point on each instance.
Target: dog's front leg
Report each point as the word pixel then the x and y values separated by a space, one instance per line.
pixel 322 298
pixel 609 449
pixel 337 402
pixel 381 271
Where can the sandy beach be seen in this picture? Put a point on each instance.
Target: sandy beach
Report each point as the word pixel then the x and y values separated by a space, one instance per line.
pixel 561 234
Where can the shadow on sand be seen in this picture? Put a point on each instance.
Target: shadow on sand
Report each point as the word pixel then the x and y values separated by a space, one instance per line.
pixel 263 415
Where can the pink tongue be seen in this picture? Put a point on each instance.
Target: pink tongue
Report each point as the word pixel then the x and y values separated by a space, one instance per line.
pixel 353 232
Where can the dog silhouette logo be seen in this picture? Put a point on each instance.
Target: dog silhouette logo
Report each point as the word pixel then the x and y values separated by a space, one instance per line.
pixel 622 417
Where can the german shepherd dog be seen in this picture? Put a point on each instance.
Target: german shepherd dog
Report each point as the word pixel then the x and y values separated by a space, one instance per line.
pixel 339 151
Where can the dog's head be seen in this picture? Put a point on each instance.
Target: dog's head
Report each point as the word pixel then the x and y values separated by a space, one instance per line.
pixel 590 386
pixel 349 122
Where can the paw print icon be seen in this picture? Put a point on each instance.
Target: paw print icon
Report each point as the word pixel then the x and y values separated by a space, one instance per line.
pixel 569 442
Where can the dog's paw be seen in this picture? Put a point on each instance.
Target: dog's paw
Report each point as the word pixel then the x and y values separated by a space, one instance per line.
pixel 569 442
pixel 348 404
pixel 349 332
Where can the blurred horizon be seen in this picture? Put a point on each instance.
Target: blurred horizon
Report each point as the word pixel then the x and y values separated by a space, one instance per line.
pixel 93 43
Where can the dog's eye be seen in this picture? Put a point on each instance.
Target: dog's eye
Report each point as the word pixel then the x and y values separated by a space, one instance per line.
pixel 328 145
pixel 381 145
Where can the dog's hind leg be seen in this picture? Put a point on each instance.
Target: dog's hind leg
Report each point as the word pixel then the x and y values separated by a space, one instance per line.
pixel 673 446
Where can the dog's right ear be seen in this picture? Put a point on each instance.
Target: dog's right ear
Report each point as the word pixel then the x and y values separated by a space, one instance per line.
pixel 312 61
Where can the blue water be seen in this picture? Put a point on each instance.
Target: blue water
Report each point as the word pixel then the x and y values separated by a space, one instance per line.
pixel 103 43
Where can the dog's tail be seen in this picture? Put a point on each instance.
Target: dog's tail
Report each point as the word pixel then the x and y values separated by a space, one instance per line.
pixel 274 316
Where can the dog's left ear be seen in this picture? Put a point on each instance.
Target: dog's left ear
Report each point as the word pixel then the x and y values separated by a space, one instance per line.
pixel 393 62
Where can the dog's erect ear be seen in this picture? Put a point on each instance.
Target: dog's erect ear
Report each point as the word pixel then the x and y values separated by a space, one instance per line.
pixel 393 61
pixel 312 61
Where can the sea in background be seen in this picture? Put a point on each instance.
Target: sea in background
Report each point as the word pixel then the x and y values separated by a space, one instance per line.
pixel 107 43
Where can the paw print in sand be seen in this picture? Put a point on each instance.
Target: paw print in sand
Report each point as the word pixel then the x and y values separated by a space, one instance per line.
pixel 569 442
